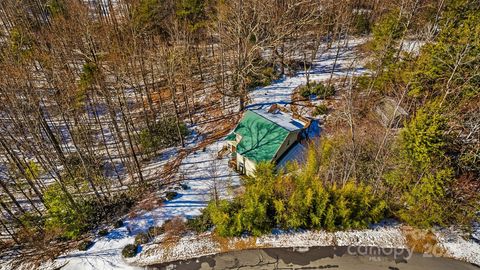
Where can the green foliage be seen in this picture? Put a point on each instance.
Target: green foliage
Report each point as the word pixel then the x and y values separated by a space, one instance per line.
pixel 20 43
pixel 70 221
pixel 61 215
pixel 361 22
pixel 31 222
pixel 423 138
pixel 448 64
pixel 103 232
pixel 162 134
pixel 423 170
pixel 87 77
pixel 443 81
pixel 170 195
pixel 320 110
pixel 129 251
pixel 317 88
pixel 142 238
pixel 32 170
pixel 194 12
pixel 386 34
pixel 295 199
pixel 79 171
pixel 264 77
pixel 85 245
pixel 201 223
pixel 305 91
pixel 151 16
pixel 56 7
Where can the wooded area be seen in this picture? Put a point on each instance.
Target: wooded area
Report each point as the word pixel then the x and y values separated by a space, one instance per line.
pixel 92 91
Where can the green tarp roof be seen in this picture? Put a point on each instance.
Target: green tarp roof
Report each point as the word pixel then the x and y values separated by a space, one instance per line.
pixel 261 138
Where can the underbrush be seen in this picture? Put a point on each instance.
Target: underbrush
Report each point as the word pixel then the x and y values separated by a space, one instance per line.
pixel 318 89
pixel 164 133
pixel 320 110
pixel 292 199
pixel 64 221
pixel 265 76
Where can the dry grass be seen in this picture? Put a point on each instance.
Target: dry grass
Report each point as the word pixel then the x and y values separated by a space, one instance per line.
pixel 223 242
pixel 423 241
pixel 245 243
pixel 174 230
pixel 234 244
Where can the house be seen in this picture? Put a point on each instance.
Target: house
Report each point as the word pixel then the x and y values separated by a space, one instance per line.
pixel 264 136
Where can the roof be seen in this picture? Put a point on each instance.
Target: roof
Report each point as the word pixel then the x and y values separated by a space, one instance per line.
pixel 282 119
pixel 231 137
pixel 261 137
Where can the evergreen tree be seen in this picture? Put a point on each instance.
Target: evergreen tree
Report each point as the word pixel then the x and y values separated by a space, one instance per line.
pixel 423 170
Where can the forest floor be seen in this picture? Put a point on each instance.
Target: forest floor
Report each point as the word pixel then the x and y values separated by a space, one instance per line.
pixel 199 168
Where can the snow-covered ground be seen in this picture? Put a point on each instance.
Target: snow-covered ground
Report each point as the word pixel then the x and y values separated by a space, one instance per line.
pixel 457 247
pixel 194 246
pixel 201 170
pixel 379 236
pixel 280 92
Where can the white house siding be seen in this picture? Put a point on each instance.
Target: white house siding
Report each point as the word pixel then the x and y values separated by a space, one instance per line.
pixel 250 166
pixel 247 163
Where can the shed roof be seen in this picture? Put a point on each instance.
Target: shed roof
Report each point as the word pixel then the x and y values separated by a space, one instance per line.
pixel 282 119
pixel 261 137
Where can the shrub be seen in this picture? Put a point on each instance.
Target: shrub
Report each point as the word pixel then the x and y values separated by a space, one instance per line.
pixel 141 238
pixel 162 134
pixel 155 231
pixel 200 224
pixel 171 195
pixel 129 251
pixel 65 219
pixel 118 224
pixel 361 22
pixel 304 91
pixel 88 71
pixel 318 89
pixel 320 110
pixel 103 232
pixel 423 174
pixel 264 77
pixel 294 199
pixel 322 91
pixel 84 245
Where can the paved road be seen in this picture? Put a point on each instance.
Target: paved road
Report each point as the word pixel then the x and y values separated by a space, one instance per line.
pixel 341 258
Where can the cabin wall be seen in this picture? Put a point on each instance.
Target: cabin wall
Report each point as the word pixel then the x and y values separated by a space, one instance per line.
pixel 248 164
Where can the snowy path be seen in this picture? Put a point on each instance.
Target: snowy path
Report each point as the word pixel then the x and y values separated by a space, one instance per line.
pixel 197 171
pixel 281 91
